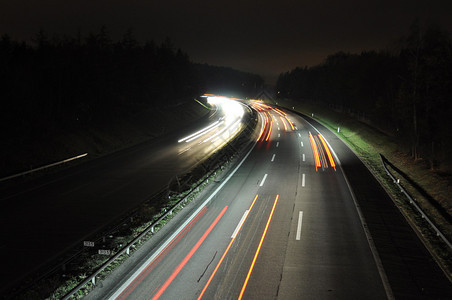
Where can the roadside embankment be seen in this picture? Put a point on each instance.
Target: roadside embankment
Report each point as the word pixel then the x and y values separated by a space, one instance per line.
pixel 431 189
pixel 54 144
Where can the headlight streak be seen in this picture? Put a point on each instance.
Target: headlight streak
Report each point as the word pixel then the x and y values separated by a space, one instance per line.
pixel 232 131
pixel 226 128
pixel 221 131
pixel 200 132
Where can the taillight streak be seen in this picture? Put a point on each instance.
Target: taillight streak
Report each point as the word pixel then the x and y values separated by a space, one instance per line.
pixel 270 129
pixel 189 255
pixel 328 152
pixel 161 255
pixel 285 126
pixel 314 151
pixel 226 252
pixel 321 152
pixel 263 128
pixel 258 249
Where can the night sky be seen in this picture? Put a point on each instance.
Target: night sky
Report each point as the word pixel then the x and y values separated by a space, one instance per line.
pixel 264 37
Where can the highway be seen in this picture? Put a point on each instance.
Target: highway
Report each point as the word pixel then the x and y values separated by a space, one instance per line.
pixel 283 224
pixel 298 216
pixel 43 217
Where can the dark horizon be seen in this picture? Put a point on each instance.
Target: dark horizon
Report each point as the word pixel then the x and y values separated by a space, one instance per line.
pixel 262 37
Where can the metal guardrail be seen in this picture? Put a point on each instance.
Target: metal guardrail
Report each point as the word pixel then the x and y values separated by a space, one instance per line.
pixel 413 202
pixel 126 248
pixel 44 167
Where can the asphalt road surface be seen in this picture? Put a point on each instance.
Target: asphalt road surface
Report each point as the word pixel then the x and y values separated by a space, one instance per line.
pixel 42 218
pixel 285 224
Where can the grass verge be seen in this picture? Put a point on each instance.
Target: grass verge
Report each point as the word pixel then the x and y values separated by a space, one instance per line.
pixel 430 189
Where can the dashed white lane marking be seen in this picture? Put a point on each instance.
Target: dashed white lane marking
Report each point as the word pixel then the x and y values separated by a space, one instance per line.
pixel 278 128
pixel 240 224
pixel 299 135
pixel 304 158
pixel 300 222
pixel 279 134
pixel 302 144
pixel 263 180
pixel 277 144
pixel 273 157
pixel 302 180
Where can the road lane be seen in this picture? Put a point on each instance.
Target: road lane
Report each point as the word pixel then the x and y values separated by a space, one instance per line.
pixel 332 257
pixel 42 218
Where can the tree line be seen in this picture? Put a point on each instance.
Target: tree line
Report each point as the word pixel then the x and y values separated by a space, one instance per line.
pixel 68 81
pixel 405 92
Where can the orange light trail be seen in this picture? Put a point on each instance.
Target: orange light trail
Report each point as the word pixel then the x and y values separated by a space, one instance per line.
pixel 330 157
pixel 291 125
pixel 263 128
pixel 226 252
pixel 321 152
pixel 189 255
pixel 280 111
pixel 270 129
pixel 162 254
pixel 258 249
pixel 285 126
pixel 315 151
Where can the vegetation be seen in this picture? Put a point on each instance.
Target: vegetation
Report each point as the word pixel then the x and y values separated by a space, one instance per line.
pixel 404 92
pixel 59 86
pixel 430 189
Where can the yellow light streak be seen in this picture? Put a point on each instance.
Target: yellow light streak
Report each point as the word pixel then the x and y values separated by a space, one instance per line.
pixel 224 254
pixel 330 157
pixel 315 152
pixel 258 249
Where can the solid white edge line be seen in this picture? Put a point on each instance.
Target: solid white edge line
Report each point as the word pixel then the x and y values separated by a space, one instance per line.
pixel 373 248
pixel 240 224
pixel 300 221
pixel 303 180
pixel 160 249
pixel 263 180
pixel 273 157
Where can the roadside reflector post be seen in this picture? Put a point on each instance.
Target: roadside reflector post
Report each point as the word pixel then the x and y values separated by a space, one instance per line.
pixel 128 250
